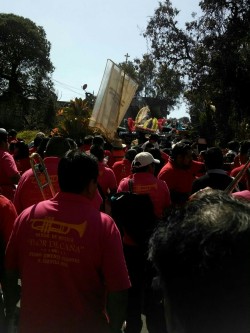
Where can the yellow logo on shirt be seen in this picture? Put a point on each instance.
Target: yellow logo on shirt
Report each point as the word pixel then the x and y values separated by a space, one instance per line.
pixel 50 225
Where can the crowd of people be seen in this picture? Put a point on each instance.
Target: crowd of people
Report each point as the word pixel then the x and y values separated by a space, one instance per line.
pixel 73 269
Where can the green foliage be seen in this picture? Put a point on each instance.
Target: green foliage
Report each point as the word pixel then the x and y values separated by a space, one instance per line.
pixel 27 135
pixel 73 120
pixel 159 85
pixel 212 57
pixel 25 69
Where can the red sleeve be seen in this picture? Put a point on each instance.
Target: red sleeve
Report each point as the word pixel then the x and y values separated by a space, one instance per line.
pixel 8 215
pixel 9 165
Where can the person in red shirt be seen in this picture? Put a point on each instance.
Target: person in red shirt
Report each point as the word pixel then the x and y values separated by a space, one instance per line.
pixel 7 217
pixel 123 168
pixel 28 191
pixel 180 172
pixel 21 156
pixel 117 151
pixel 106 177
pixel 9 175
pixel 69 258
pixel 144 182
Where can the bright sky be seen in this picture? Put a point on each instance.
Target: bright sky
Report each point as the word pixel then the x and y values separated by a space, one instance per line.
pixel 84 34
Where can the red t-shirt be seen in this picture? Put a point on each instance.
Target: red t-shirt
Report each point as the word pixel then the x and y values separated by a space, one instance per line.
pixel 106 178
pixel 242 195
pixel 180 180
pixel 7 217
pixel 147 183
pixel 28 192
pixel 244 178
pixel 8 169
pixel 122 169
pixel 69 255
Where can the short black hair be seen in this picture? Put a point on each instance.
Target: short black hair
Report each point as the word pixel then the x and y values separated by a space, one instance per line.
pixel 233 145
pixel 202 253
pixel 57 146
pixel 98 140
pixel 97 151
pixel 180 148
pixel 3 135
pixel 130 154
pixel 75 171
pixel 213 158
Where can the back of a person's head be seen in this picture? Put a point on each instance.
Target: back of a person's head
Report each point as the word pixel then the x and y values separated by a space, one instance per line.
pixel 3 135
pixel 98 140
pixel 22 150
pixel 12 133
pixel 244 147
pixel 180 148
pixel 148 146
pixel 130 154
pixel 38 140
pixel 98 152
pixel 233 145
pixel 213 158
pixel 202 253
pixel 57 146
pixel 88 139
pixel 75 171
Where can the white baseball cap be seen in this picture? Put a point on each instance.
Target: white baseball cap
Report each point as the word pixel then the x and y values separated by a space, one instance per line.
pixel 143 159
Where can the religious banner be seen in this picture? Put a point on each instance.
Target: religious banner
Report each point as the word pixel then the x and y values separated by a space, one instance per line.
pixel 114 97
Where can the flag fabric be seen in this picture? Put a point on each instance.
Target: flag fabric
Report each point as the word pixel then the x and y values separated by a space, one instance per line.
pixel 114 97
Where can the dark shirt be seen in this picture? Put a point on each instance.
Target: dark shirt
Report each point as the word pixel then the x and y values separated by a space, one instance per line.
pixel 216 179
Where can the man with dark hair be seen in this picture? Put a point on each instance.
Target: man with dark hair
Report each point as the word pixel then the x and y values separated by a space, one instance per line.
pixel 28 191
pixel 122 168
pixel 9 175
pixel 202 254
pixel 215 177
pixel 180 172
pixel 69 258
pixel 143 182
pixel 106 177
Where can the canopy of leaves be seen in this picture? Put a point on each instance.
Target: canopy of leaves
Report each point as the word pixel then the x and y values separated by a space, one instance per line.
pixel 158 83
pixel 212 56
pixel 25 66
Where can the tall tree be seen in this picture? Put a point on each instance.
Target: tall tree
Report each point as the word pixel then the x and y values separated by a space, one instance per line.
pixel 159 85
pixel 25 66
pixel 212 56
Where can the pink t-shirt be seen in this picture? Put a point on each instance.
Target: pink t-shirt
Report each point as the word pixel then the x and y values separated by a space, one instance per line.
pixel 8 169
pixel 147 183
pixel 242 195
pixel 28 192
pixel 106 178
pixel 180 180
pixel 69 255
pixel 122 169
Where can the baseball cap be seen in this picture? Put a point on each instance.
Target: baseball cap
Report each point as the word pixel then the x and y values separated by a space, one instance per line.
pixel 143 159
